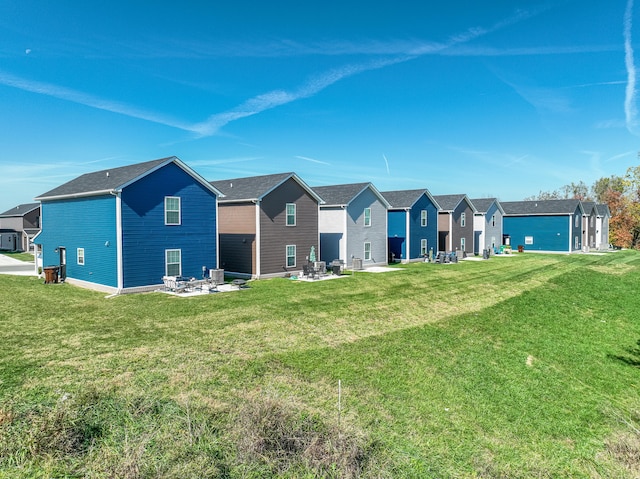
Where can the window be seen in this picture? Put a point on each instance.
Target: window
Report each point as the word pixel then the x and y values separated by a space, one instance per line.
pixel 463 220
pixel 291 214
pixel 291 255
pixel 367 251
pixel 528 240
pixel 493 241
pixel 423 247
pixel 463 243
pixel 577 222
pixel 493 220
pixel 423 218
pixel 367 216
pixel 173 262
pixel 593 221
pixel 171 211
pixel 81 256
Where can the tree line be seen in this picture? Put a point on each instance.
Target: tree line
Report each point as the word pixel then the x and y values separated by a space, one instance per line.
pixel 620 193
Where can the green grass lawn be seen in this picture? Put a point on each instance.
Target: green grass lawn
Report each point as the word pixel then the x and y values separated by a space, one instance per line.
pixel 27 257
pixel 518 367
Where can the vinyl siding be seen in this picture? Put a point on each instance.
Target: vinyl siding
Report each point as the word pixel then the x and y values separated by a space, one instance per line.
pixel 418 232
pixel 275 235
pixel 145 237
pixel 358 234
pixel 237 231
pixel 88 223
pixel 550 233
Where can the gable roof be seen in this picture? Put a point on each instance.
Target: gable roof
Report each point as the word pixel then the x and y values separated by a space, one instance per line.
pixel 483 204
pixel 588 207
pixel 405 199
pixel 602 209
pixel 449 203
pixel 113 180
pixel 541 207
pixel 257 187
pixel 343 195
pixel 20 210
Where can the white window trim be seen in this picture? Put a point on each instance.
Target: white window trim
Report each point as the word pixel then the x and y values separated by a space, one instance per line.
pixel 463 244
pixel 365 217
pixel 166 262
pixel 295 220
pixel 528 240
pixel 423 247
pixel 287 255
pixel 493 220
pixel 80 256
pixel 367 253
pixel 424 218
pixel 463 220
pixel 167 210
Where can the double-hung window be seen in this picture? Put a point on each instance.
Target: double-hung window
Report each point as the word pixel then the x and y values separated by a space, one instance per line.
pixel 367 216
pixel 171 210
pixel 423 218
pixel 291 214
pixel 463 220
pixel 81 256
pixel 463 244
pixel 367 251
pixel 291 255
pixel 493 220
pixel 173 262
pixel 423 247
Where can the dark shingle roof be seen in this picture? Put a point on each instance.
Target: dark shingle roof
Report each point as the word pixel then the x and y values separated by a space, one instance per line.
pixel 20 210
pixel 449 202
pixel 104 180
pixel 603 209
pixel 255 187
pixel 588 207
pixel 540 207
pixel 340 194
pixel 483 204
pixel 405 198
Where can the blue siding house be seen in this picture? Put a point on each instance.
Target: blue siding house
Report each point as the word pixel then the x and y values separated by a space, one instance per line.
pixel 123 229
pixel 412 228
pixel 544 225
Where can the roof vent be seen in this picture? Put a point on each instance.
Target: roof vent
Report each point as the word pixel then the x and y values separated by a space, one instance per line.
pixel 107 174
pixel 230 185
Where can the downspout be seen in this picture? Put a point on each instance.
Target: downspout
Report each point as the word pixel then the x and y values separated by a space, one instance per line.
pixel 257 203
pixel 451 231
pixel 217 236
pixel 346 238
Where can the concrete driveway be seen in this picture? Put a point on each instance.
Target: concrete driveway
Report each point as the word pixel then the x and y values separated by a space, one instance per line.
pixel 16 267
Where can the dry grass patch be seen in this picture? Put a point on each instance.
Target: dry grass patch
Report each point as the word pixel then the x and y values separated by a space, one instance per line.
pixel 280 436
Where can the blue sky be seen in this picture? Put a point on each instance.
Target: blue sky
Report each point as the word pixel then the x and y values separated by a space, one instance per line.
pixel 502 98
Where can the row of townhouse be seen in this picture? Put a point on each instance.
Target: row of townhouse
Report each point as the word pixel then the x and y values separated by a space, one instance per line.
pixel 123 229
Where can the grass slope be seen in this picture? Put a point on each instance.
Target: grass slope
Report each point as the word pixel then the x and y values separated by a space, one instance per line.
pixel 514 367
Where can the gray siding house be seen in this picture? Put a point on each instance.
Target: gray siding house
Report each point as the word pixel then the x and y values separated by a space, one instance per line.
pixel 18 226
pixel 353 224
pixel 487 224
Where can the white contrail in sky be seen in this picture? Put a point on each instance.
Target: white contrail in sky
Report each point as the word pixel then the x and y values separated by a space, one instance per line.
pixel 272 99
pixel 630 108
pixel 386 162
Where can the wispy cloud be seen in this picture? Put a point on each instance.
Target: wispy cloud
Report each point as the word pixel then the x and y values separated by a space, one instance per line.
pixel 630 108
pixel 85 99
pixel 213 124
pixel 311 160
